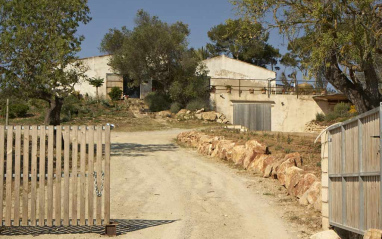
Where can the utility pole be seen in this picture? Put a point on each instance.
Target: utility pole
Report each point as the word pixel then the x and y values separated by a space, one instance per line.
pixel 7 113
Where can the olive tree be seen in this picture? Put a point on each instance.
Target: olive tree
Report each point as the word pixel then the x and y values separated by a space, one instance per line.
pixel 38 46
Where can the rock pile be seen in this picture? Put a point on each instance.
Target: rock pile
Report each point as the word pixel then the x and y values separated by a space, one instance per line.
pixel 210 116
pixel 255 156
pixel 313 127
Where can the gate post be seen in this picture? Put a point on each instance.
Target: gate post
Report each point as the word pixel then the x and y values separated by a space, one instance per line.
pixel 325 179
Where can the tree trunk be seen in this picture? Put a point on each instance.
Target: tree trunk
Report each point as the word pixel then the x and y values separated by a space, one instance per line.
pixel 53 113
pixel 363 99
pixel 97 95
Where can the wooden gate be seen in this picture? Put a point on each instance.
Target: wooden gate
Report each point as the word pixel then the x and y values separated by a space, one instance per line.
pixel 253 116
pixel 54 176
pixel 355 189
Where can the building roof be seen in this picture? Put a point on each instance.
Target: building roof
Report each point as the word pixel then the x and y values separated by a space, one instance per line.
pixel 94 57
pixel 226 57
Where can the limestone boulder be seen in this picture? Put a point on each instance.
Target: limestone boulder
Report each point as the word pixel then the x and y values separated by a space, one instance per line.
pixel 290 160
pixel 181 113
pixel 373 234
pixel 304 184
pixel 204 144
pixel 238 154
pixel 164 114
pixel 330 234
pixel 312 196
pixel 209 116
pixel 256 146
pixel 254 150
pixel 199 111
pixel 226 148
pixel 198 116
pixel 292 178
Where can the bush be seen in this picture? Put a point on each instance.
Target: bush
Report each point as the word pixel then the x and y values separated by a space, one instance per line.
pixel 72 106
pixel 320 117
pixel 175 107
pixel 18 110
pixel 342 109
pixel 115 93
pixel 157 101
pixel 197 104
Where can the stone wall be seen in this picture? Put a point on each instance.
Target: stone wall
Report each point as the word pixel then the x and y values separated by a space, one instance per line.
pixel 254 156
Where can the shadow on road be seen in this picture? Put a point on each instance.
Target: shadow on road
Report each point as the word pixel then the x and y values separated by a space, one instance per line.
pixel 139 150
pixel 124 226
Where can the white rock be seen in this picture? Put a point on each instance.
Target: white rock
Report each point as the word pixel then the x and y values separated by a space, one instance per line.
pixel 330 234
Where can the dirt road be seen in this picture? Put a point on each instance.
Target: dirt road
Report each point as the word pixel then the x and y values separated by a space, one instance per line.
pixel 169 192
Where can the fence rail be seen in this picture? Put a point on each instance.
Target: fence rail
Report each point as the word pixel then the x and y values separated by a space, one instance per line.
pixel 355 188
pixel 68 175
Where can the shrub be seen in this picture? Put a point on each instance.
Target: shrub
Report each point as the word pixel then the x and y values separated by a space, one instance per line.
pixel 157 101
pixel 331 116
pixel 175 107
pixel 320 117
pixel 18 110
pixel 197 104
pixel 342 109
pixel 115 93
pixel 72 106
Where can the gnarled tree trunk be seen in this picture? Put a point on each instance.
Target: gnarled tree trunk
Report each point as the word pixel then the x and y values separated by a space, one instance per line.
pixel 52 116
pixel 364 99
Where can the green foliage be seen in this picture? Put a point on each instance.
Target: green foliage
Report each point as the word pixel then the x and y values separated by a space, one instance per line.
pixel 243 40
pixel 96 81
pixel 190 82
pixel 320 117
pixel 337 40
pixel 18 110
pixel 39 42
pixel 197 104
pixel 71 107
pixel 152 50
pixel 342 109
pixel 175 107
pixel 289 139
pixel 115 94
pixel 157 101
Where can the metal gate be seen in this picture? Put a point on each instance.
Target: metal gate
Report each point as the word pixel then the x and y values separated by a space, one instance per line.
pixel 54 176
pixel 355 189
pixel 253 116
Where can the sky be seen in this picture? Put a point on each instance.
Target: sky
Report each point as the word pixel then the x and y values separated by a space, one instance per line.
pixel 200 15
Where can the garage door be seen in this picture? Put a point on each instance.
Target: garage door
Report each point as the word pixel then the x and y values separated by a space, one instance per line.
pixel 253 116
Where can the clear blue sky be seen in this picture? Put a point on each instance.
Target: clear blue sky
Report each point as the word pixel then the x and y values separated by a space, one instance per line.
pixel 200 15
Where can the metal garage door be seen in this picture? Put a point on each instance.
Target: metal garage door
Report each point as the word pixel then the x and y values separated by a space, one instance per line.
pixel 253 116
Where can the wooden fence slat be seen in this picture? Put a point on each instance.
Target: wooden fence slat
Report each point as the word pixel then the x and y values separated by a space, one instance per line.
pixel 25 176
pixel 38 152
pixel 107 175
pixel 17 176
pixel 66 174
pixel 82 175
pixel 99 175
pixel 58 176
pixel 42 177
pixel 2 146
pixel 50 175
pixel 34 176
pixel 74 173
pixel 8 196
pixel 90 176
